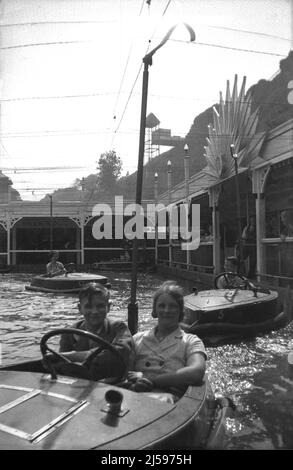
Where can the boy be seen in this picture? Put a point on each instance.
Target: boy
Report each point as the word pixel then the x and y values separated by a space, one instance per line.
pixel 94 305
pixel 231 265
pixel 55 267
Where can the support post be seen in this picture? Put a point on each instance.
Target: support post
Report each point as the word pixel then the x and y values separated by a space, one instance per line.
pixel 169 176
pixel 186 178
pixel 156 218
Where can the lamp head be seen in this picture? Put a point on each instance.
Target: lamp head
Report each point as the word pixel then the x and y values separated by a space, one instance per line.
pixel 232 150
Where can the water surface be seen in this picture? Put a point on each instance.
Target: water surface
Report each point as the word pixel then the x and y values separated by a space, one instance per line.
pixel 253 373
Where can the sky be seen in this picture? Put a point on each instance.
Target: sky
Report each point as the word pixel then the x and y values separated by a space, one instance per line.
pixel 71 76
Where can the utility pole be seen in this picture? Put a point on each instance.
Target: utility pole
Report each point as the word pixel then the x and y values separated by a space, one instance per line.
pixel 147 61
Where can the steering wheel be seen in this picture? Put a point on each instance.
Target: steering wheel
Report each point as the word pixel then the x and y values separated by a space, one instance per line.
pixel 70 267
pixel 78 369
pixel 231 280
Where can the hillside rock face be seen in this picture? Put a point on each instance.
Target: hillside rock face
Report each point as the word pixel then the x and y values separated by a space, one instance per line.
pixel 270 96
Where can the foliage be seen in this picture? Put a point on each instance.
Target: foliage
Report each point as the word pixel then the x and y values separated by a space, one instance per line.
pixel 109 170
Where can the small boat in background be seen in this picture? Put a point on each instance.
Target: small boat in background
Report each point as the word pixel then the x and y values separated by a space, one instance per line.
pixel 219 315
pixel 69 283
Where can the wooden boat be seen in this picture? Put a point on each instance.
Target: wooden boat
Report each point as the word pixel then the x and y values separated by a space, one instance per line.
pixel 45 411
pixel 218 315
pixel 68 283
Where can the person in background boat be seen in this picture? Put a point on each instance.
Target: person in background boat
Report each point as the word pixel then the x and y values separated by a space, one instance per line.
pixel 167 358
pixel 286 249
pixel 127 248
pixel 206 234
pixel 94 305
pixel 231 265
pixel 55 267
pixel 286 224
pixel 249 246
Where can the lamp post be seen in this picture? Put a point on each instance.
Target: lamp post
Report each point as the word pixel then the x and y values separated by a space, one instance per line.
pixel 156 217
pixel 51 221
pixel 186 177
pixel 186 170
pixel 147 60
pixel 235 158
pixel 169 180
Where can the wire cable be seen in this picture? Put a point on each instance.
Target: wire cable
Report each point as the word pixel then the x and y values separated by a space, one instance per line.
pixel 229 47
pixel 136 78
pixel 124 72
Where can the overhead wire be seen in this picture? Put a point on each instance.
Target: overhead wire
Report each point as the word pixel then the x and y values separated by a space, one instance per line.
pixel 256 33
pixel 197 43
pixel 56 97
pixel 136 78
pixel 37 44
pixel 35 23
pixel 121 83
pixel 127 61
pixel 183 132
pixel 124 72
pixel 188 97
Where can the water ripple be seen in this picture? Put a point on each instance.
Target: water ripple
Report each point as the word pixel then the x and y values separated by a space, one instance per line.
pixel 253 373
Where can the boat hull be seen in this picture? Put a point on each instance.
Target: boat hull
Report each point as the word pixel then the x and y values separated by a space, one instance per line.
pixel 221 314
pixel 66 283
pixel 38 413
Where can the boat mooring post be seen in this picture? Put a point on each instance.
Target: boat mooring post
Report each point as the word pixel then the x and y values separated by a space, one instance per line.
pixel 235 158
pixel 147 60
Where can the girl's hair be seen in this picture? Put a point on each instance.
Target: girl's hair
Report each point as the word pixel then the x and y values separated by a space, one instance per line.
pixel 175 291
pixel 94 288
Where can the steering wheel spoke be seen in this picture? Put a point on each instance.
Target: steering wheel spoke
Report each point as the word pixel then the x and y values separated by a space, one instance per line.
pixel 82 370
pixel 233 281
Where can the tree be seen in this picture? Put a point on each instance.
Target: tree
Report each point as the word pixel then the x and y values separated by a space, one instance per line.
pixel 109 170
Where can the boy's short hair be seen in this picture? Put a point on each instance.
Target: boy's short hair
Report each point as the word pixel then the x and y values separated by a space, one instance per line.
pixel 175 291
pixel 54 252
pixel 94 288
pixel 233 259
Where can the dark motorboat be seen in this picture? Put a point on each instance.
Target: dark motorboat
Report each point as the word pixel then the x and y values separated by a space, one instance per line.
pixel 42 411
pixel 68 283
pixel 239 311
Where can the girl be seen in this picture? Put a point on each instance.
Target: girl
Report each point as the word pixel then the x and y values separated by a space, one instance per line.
pixel 166 357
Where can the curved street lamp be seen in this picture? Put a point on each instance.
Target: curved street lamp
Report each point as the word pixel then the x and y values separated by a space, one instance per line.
pixel 147 60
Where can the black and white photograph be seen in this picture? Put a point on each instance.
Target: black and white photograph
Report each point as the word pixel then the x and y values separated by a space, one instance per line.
pixel 146 228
